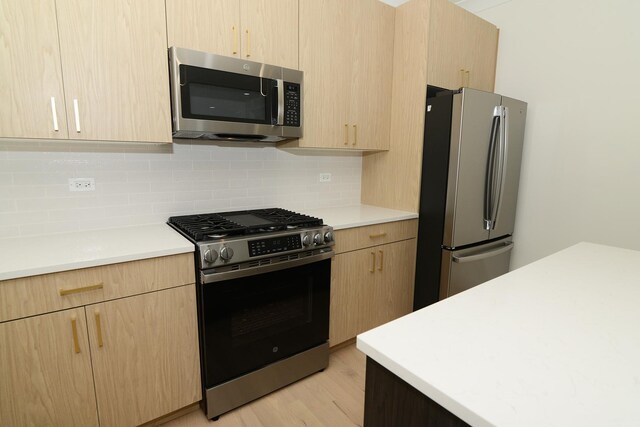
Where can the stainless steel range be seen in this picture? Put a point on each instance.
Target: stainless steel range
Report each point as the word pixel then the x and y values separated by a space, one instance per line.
pixel 263 279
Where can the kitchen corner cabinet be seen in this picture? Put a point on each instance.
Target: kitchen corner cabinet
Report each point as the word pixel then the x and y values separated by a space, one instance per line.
pixel 256 30
pixel 113 358
pixel 462 48
pixel 346 53
pixel 110 58
pixel 374 284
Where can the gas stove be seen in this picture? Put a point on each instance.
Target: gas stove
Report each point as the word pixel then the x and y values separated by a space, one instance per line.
pixel 236 237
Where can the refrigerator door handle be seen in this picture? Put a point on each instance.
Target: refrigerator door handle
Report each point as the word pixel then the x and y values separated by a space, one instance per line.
pixel 471 258
pixel 489 181
pixel 502 162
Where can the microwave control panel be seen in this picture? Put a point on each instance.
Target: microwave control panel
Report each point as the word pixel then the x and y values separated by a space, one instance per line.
pixel 291 104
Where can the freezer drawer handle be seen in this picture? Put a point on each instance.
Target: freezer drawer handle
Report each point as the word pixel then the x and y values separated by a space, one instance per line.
pixel 484 255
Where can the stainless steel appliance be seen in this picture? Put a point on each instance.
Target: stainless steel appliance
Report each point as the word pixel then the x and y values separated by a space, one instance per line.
pixel 263 279
pixel 217 97
pixel 470 174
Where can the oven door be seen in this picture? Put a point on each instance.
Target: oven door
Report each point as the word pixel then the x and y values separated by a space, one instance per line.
pixel 250 320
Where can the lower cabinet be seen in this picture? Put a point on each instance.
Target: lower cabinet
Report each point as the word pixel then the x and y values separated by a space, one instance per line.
pixel 45 371
pixel 370 287
pixel 141 352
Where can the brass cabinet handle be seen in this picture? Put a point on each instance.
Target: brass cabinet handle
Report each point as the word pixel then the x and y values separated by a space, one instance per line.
pixel 64 292
pixel 373 236
pixel 54 113
pixel 373 262
pixel 74 329
pixel 98 328
pixel 346 134
pixel 235 40
pixel 355 134
pixel 76 114
pixel 248 45
pixel 381 260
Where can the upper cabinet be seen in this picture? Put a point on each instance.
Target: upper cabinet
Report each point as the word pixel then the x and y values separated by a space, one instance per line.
pixel 256 30
pixel 346 53
pixel 111 57
pixel 462 48
pixel 32 101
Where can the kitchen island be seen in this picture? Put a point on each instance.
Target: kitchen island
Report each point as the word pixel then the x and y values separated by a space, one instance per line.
pixel 554 343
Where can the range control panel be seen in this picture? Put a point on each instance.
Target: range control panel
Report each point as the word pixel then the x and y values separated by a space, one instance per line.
pixel 291 104
pixel 274 245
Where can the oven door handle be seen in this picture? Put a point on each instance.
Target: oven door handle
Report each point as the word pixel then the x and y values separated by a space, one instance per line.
pixel 252 271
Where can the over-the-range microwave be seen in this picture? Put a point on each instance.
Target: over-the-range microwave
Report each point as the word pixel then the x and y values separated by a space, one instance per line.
pixel 223 98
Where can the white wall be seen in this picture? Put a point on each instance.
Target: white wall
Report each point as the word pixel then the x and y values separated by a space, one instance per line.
pixel 144 184
pixel 577 64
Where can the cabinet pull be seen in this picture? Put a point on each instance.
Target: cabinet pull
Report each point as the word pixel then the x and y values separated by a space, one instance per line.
pixel 355 134
pixel 235 40
pixel 54 113
pixel 373 236
pixel 381 260
pixel 248 45
pixel 373 262
pixel 76 112
pixel 468 74
pixel 64 292
pixel 74 329
pixel 98 328
pixel 346 134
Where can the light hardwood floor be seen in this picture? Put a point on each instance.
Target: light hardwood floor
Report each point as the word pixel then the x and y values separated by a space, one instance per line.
pixel 332 398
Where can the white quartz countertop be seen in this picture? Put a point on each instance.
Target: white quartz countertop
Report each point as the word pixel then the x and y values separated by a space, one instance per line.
pixel 554 343
pixel 21 257
pixel 358 216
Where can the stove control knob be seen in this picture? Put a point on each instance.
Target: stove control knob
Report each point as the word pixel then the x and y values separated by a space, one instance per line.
pixel 226 253
pixel 318 239
pixel 210 255
pixel 328 237
pixel 306 240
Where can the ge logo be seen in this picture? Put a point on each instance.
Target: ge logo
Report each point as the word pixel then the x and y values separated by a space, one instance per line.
pixel 246 67
pixel 275 349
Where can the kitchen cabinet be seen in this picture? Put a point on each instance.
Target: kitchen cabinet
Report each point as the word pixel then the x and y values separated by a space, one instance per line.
pixel 45 366
pixel 31 92
pixel 462 48
pixel 346 51
pixel 110 57
pixel 125 346
pixel 257 30
pixel 372 285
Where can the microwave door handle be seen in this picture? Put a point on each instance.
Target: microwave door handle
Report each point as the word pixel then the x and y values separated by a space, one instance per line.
pixel 280 119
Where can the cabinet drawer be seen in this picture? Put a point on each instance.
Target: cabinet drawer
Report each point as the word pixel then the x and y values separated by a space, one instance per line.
pixel 33 295
pixel 351 239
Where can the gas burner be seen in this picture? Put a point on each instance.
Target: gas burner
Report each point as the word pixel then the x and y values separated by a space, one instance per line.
pixel 204 227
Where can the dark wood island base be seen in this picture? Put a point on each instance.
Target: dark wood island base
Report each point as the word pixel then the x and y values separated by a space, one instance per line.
pixel 389 401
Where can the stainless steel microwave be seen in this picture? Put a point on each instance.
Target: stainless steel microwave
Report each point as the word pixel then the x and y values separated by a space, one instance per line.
pixel 217 97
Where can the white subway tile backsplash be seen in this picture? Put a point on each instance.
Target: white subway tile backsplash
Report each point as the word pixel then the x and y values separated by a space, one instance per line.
pixel 142 184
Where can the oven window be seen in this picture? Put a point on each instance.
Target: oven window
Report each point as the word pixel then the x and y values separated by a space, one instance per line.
pixel 252 321
pixel 224 102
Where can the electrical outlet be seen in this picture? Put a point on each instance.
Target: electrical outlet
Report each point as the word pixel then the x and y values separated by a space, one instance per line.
pixel 82 184
pixel 325 177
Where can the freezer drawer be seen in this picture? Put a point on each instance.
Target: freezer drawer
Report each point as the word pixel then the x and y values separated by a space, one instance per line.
pixel 465 268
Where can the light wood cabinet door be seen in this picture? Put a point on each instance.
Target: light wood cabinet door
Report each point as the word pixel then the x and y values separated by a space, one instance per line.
pixel 326 32
pixel 31 92
pixel 372 71
pixel 145 355
pixel 270 31
pixel 206 25
pixel 45 371
pixel 393 294
pixel 462 48
pixel 353 277
pixel 114 60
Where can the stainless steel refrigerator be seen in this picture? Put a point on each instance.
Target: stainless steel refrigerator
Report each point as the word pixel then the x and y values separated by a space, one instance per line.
pixel 470 174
